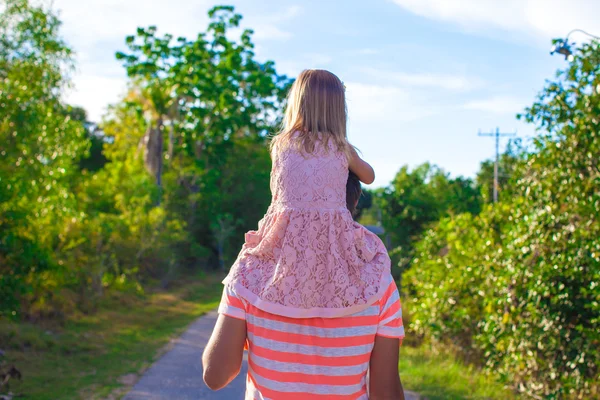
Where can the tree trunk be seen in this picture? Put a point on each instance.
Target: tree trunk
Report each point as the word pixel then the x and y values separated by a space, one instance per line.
pixel 171 143
pixel 153 158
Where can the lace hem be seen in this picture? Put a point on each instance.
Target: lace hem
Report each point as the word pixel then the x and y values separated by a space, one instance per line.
pixel 294 312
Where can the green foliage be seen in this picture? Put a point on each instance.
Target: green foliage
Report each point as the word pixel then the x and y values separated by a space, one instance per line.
pixel 214 105
pixel 424 195
pixel 39 144
pixel 418 198
pixel 517 287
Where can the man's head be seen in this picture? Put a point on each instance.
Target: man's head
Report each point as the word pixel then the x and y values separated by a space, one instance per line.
pixel 353 192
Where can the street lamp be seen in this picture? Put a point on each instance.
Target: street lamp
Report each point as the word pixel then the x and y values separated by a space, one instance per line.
pixel 562 46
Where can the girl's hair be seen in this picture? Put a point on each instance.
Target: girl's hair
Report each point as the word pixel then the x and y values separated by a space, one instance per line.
pixel 353 192
pixel 316 108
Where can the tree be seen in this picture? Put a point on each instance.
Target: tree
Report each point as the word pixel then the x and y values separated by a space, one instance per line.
pixel 416 200
pixel 419 197
pixel 214 105
pixel 208 91
pixel 39 145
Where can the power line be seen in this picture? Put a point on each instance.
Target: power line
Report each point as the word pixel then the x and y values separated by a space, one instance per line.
pixel 497 134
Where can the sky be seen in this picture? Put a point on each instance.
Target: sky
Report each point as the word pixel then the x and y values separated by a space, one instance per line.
pixel 422 76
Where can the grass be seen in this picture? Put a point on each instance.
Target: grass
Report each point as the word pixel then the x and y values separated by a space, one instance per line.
pixel 439 376
pixel 87 356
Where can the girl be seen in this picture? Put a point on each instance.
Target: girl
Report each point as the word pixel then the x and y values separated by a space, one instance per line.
pixel 310 295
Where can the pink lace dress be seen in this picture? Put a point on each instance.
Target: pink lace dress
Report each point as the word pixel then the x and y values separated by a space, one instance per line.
pixel 309 258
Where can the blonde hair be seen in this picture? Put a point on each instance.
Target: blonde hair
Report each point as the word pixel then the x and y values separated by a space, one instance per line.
pixel 316 109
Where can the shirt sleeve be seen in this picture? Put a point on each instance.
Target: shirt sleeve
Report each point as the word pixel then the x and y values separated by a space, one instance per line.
pixel 390 315
pixel 231 305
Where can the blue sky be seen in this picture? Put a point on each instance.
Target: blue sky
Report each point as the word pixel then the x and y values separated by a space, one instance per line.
pixel 422 76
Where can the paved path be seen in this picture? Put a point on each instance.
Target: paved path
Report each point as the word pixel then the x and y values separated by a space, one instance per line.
pixel 178 374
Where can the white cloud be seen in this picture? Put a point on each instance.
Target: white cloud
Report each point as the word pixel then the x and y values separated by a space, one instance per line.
pixel 289 13
pixel 368 51
pixel 442 81
pixel 453 82
pixel 303 61
pixel 497 105
pixel 540 18
pixel 267 27
pixel 271 32
pixel 369 102
pixel 91 22
pixel 289 67
pixel 317 60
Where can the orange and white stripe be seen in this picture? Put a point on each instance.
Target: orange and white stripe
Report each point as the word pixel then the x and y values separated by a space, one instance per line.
pixel 316 358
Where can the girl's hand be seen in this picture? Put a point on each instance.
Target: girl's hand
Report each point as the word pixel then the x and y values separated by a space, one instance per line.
pixel 361 168
pixel 222 358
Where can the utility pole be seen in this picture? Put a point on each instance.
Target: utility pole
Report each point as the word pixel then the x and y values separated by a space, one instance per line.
pixel 497 135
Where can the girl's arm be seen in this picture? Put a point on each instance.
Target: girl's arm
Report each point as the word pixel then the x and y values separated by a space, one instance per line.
pixel 384 379
pixel 222 358
pixel 361 168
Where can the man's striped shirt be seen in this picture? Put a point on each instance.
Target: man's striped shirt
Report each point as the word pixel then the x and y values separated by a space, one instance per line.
pixel 313 358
